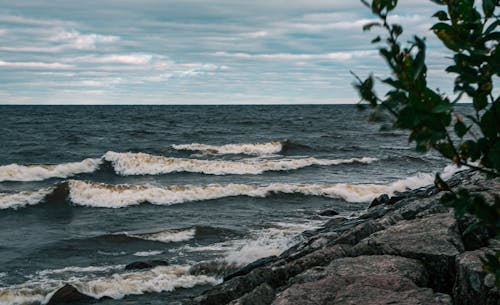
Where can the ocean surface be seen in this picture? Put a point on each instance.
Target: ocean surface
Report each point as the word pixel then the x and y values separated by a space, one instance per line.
pixel 85 190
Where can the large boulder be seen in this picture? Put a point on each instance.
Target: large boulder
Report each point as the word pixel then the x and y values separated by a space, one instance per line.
pixel 434 240
pixel 368 265
pixel 364 289
pixel 262 295
pixel 145 265
pixel 473 286
pixel 68 294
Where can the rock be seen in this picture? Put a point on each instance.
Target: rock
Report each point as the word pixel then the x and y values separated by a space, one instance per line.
pixel 382 199
pixel 68 294
pixel 368 265
pixel 373 290
pixel 251 266
pixel 433 240
pixel 474 237
pixel 328 213
pixel 472 285
pixel 262 295
pixel 275 275
pixel 146 265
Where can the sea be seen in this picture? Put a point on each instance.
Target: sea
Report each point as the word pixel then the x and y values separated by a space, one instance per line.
pixel 86 190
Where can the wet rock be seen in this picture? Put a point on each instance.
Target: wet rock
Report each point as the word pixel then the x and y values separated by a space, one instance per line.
pixel 373 290
pixel 275 275
pixel 251 266
pixel 433 240
pixel 382 199
pixel 328 213
pixel 68 294
pixel 262 295
pixel 146 265
pixel 471 285
pixel 368 265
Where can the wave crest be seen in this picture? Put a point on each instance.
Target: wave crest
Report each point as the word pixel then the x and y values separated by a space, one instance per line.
pixel 244 148
pixel 15 172
pixel 128 164
pixel 117 196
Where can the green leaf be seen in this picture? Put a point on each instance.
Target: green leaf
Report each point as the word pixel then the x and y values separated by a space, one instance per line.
pixel 488 7
pixel 376 39
pixel 370 25
pixel 441 15
pixel 479 101
pixel 442 108
pixel 460 129
pixel 397 29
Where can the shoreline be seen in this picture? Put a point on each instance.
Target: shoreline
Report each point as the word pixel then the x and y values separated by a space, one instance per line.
pixel 405 249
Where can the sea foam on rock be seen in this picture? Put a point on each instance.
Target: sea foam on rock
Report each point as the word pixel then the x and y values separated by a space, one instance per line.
pixel 410 251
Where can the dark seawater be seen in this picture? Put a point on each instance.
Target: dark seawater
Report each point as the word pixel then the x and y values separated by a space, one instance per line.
pixel 85 190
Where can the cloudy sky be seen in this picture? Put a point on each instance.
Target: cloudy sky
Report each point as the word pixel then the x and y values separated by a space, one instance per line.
pixel 194 51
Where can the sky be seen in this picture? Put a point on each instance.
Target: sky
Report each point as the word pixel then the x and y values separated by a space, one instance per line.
pixel 196 51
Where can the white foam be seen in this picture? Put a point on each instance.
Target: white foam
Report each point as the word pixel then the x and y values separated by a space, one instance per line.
pixel 144 164
pixel 72 269
pixel 267 242
pixel 15 172
pixel 118 196
pixel 244 148
pixel 116 286
pixel 168 236
pixel 22 199
pixel 147 253
pixel 159 279
pixel 102 195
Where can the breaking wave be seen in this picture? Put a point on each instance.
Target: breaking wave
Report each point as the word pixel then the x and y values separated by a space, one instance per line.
pixel 168 236
pixel 244 149
pixel 116 286
pixel 22 199
pixel 118 196
pixel 15 172
pixel 128 164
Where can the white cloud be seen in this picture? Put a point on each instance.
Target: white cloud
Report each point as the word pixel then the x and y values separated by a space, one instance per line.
pixel 76 40
pixel 131 59
pixel 15 19
pixel 258 34
pixel 290 56
pixel 34 65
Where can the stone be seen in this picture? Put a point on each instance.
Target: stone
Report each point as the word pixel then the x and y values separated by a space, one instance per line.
pixel 433 240
pixel 382 199
pixel 365 289
pixel 471 284
pixel 251 266
pixel 368 265
pixel 145 265
pixel 329 213
pixel 68 294
pixel 262 295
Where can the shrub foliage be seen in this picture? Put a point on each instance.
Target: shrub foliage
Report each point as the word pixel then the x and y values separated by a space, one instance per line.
pixel 469 29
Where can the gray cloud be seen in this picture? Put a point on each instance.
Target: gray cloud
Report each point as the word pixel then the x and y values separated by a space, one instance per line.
pixel 193 51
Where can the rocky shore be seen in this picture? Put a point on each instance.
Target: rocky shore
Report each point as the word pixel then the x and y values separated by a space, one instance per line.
pixel 408 249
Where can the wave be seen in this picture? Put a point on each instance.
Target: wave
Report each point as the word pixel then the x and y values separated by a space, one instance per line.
pixel 116 286
pixel 22 199
pixel 147 253
pixel 168 236
pixel 101 195
pixel 244 149
pixel 15 172
pixel 128 164
pixel 259 244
